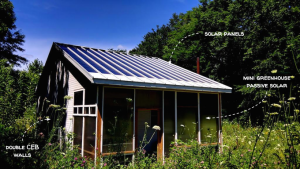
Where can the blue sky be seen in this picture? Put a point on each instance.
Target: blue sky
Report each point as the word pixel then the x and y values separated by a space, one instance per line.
pixel 93 23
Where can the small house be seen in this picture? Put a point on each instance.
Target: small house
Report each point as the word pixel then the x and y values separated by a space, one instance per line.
pixel 117 98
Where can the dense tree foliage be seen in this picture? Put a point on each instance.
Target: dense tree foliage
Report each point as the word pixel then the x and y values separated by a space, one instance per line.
pixel 10 40
pixel 271 38
pixel 18 109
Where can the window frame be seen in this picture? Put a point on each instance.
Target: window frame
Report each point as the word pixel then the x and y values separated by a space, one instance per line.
pixel 83 115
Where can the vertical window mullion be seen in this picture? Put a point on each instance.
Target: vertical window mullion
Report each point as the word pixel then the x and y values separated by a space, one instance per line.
pixel 175 116
pixel 96 131
pixel 133 140
pixel 82 140
pixel 102 113
pixel 199 132
pixel 163 125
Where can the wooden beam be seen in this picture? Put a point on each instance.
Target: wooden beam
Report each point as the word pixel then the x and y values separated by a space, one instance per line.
pixel 220 121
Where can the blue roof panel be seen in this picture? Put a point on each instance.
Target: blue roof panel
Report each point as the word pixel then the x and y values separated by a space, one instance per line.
pixel 80 61
pixel 105 65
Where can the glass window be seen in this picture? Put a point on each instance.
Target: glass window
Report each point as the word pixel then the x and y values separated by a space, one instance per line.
pixel 78 98
pixel 187 116
pixel 78 131
pixel 93 110
pixel 79 110
pixel 86 110
pixel 148 99
pixel 208 125
pixel 118 120
pixel 75 110
pixel 169 123
pixel 89 136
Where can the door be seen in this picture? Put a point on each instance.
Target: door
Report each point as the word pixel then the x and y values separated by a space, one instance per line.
pixel 152 117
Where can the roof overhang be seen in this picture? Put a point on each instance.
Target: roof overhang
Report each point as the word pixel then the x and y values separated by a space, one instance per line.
pixel 97 78
pixel 158 86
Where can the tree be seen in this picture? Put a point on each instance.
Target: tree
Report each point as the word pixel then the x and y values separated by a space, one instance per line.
pixel 154 42
pixel 10 40
pixel 271 37
pixel 118 50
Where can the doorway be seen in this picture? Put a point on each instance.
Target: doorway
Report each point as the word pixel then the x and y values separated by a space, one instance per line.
pixel 152 117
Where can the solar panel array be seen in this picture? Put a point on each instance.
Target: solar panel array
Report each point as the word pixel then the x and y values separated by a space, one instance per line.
pixel 103 64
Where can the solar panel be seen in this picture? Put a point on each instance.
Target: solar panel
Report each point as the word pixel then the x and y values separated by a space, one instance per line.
pixel 116 66
pixel 107 67
pixel 140 67
pixel 130 65
pixel 79 60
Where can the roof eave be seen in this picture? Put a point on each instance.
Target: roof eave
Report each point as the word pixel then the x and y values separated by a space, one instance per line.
pixel 159 86
pixel 71 60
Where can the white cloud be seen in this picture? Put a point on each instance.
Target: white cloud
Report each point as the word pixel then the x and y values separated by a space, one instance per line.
pixel 26 56
pixel 121 47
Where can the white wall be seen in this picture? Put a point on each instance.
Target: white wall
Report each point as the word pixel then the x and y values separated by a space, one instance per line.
pixel 73 85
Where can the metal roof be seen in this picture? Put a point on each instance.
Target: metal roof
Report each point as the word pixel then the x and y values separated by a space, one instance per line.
pixel 106 67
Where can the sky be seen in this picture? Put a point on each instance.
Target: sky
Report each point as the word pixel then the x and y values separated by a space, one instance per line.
pixel 118 24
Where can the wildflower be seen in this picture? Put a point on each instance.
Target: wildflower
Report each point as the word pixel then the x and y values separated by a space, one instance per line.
pixel 242 155
pixel 128 99
pixel 261 140
pixel 202 162
pixel 105 164
pixel 264 101
pixel 156 127
pixel 208 118
pixel 274 113
pixel 249 149
pixel 182 125
pixel 147 126
pixel 280 101
pixel 274 71
pixel 41 134
pixel 47 118
pixel 82 165
pixel 292 98
pixel 269 95
pixel 296 111
pixel 67 97
pixel 83 161
pixel 146 123
pixel 276 105
pixel 249 142
pixel 49 144
pixel 54 106
pixel 292 77
pixel 75 158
